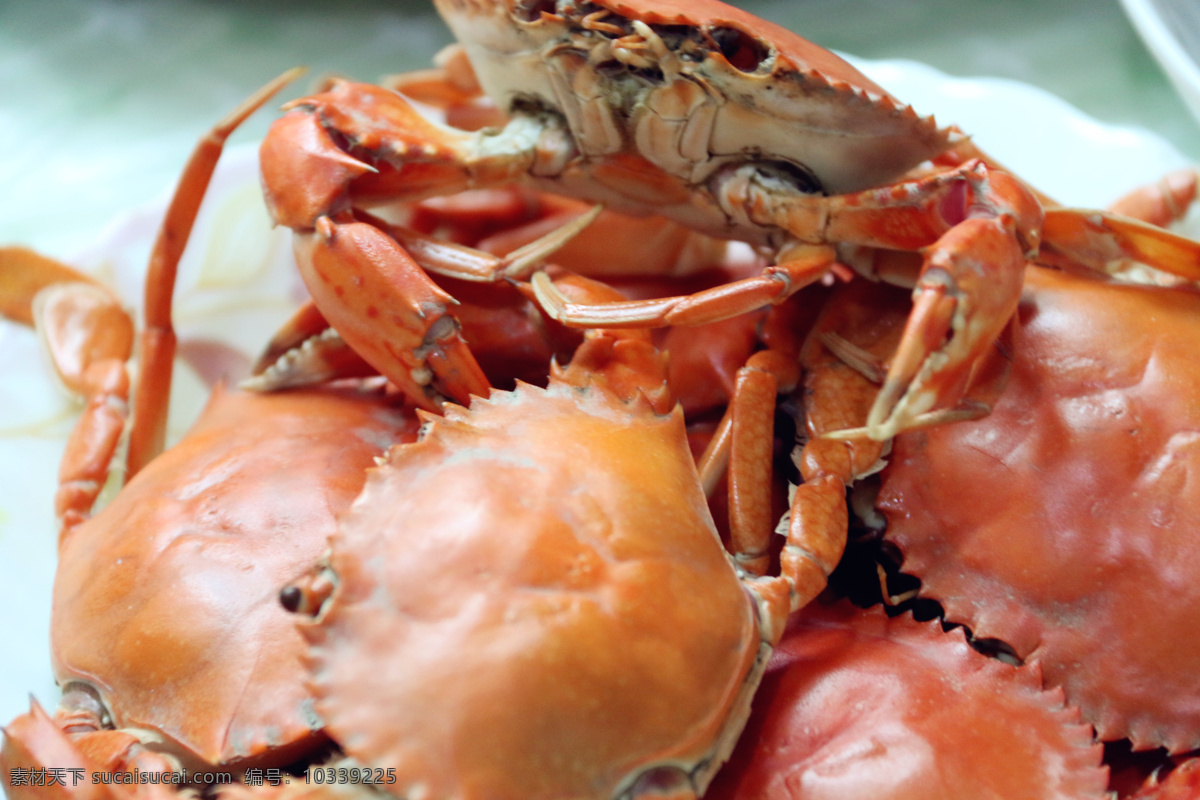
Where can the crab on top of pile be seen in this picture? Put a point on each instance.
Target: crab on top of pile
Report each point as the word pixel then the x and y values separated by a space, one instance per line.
pixel 531 597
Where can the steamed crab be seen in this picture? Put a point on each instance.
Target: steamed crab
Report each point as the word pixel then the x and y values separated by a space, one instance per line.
pixel 1056 524
pixel 551 545
pixel 174 583
pixel 859 705
pixel 707 115
pixel 1063 524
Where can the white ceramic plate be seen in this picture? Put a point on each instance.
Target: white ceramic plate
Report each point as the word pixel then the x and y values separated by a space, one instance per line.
pixel 237 285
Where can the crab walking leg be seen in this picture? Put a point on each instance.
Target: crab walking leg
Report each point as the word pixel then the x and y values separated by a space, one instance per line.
pixel 469 264
pixel 818 517
pixel 1102 241
pixel 617 244
pixel 156 349
pixel 1130 232
pixel 24 273
pixel 974 226
pixel 799 265
pixel 1162 202
pixel 452 80
pixel 751 444
pixel 88 338
pixel 452 88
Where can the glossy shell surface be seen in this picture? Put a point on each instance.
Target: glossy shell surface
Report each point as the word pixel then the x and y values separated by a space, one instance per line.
pixel 1065 522
pixel 857 705
pixel 541 582
pixel 167 601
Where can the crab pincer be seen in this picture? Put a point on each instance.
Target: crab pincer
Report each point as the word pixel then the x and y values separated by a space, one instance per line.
pixel 368 278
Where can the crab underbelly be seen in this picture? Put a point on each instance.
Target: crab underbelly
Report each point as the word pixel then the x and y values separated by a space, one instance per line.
pixel 635 187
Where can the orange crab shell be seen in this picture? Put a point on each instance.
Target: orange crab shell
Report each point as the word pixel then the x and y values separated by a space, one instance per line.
pixel 167 601
pixel 1064 523
pixel 541 582
pixel 858 705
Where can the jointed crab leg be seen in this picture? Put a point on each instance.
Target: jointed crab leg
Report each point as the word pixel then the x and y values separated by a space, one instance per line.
pixel 156 351
pixel 799 266
pixel 1104 241
pixel 1162 202
pixel 976 228
pixel 817 519
pixel 841 380
pixel 88 337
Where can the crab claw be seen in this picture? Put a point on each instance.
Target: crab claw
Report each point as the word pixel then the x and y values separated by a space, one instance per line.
pixel 307 172
pixel 32 741
pixel 965 297
pixel 41 761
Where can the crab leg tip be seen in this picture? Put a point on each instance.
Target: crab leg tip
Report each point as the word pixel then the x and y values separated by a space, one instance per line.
pixel 525 258
pixel 549 296
pixel 850 433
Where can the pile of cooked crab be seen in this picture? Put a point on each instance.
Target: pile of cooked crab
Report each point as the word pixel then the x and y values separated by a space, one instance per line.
pixel 550 491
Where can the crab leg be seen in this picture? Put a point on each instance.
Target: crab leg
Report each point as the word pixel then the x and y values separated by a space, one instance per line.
pixel 1160 203
pixel 975 226
pixel 616 244
pixel 37 742
pixel 751 439
pixel 1102 241
pixel 156 350
pixel 452 88
pixel 799 266
pixel 88 337
pixel 818 517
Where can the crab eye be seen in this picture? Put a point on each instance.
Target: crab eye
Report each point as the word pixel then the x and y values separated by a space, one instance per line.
pixel 290 597
pixel 532 10
pixel 740 49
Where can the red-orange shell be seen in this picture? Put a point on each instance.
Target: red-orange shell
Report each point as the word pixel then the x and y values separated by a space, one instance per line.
pixel 856 705
pixel 533 603
pixel 167 600
pixel 1065 522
